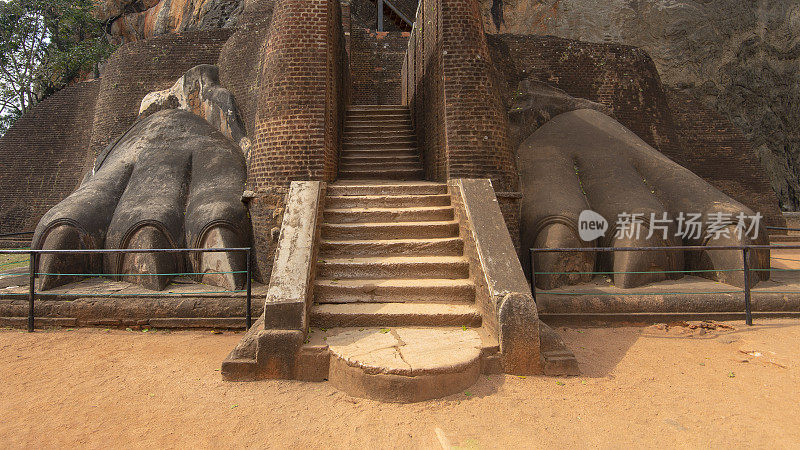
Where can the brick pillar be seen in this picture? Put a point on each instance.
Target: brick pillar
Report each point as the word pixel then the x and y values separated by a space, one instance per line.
pixel 298 114
pixel 478 143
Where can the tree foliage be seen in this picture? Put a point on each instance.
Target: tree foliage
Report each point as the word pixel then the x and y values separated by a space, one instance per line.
pixel 44 45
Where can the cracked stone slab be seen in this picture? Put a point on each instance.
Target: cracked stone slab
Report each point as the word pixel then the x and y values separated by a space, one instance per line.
pixel 407 351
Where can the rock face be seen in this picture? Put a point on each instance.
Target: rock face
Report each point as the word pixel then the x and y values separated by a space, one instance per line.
pixel 133 20
pixel 741 58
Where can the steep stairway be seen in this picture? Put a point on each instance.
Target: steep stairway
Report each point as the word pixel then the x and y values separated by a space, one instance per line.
pixel 393 245
pixel 394 301
pixel 379 143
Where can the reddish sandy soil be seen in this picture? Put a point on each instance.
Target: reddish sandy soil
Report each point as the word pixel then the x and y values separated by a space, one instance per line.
pixel 674 387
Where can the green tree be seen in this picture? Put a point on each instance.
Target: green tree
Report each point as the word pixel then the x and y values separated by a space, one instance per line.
pixel 44 45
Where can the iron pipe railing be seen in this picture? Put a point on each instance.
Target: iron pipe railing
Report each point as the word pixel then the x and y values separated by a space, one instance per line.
pixel 33 255
pixel 746 269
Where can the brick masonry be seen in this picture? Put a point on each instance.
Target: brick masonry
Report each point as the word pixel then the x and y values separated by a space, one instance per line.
pixel 376 62
pixel 44 154
pixel 451 85
pixel 364 14
pixel 303 84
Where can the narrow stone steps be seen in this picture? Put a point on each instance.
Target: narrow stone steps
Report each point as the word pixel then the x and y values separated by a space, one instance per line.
pixel 378 143
pixel 378 121
pixel 366 126
pixel 394 315
pixel 398 174
pixel 361 215
pixel 386 201
pixel 389 230
pixel 378 133
pixel 380 114
pixel 371 152
pixel 381 158
pixel 432 290
pixel 380 166
pixel 377 107
pixel 388 267
pixel 408 188
pixel 392 247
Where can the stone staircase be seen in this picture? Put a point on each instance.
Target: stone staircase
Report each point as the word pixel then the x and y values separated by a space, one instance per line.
pixel 394 245
pixel 391 287
pixel 393 299
pixel 379 143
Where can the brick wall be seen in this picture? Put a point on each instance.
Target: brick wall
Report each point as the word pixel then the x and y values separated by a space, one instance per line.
pixel 302 94
pixel 138 68
pixel 625 79
pixel 454 93
pixel 44 155
pixel 376 62
pixel 364 14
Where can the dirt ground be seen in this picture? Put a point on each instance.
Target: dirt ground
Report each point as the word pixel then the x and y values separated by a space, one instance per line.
pixel 656 387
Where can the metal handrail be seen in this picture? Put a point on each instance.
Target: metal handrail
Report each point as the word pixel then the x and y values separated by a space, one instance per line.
pixel 782 228
pixel 745 249
pixel 34 253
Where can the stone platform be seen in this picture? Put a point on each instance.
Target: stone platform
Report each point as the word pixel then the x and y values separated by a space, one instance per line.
pixel 403 364
pixel 688 298
pixel 108 303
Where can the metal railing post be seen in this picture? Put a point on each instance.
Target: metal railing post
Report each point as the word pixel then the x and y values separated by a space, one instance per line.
pixel 31 290
pixel 533 277
pixel 248 317
pixel 748 316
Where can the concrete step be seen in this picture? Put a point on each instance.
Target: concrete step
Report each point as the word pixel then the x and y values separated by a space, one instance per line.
pixel 361 215
pixel 386 267
pixel 392 247
pixel 402 364
pixel 388 230
pixel 379 166
pixel 377 121
pixel 380 126
pixel 382 114
pixel 399 174
pixel 388 188
pixel 386 201
pixel 399 136
pixel 396 152
pixel 394 315
pixel 400 143
pixel 377 107
pixel 433 290
pixel 379 159
pixel 378 133
pixel 385 175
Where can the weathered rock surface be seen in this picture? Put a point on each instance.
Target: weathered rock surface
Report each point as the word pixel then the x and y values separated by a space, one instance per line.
pixel 200 92
pixel 741 58
pixel 133 20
